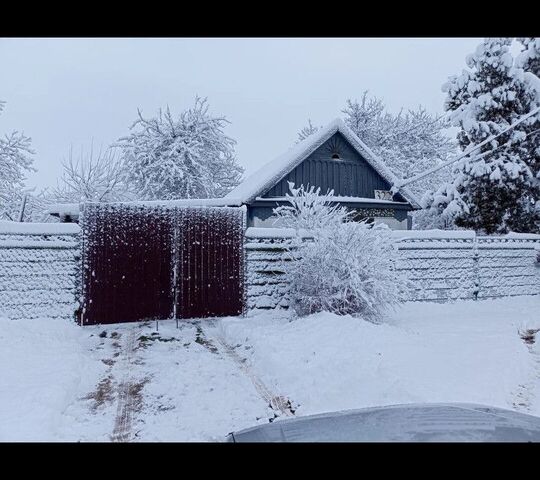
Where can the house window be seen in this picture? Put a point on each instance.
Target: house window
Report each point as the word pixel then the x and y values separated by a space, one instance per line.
pixel 336 156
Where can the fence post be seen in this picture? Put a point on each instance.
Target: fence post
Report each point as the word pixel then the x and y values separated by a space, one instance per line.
pixel 476 268
pixel 23 206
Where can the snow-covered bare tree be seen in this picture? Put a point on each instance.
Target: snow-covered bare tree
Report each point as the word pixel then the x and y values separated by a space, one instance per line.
pixel 346 267
pixel 309 210
pixel 188 157
pixel 93 176
pixel 492 190
pixel 225 174
pixel 308 130
pixel 409 143
pixel 15 163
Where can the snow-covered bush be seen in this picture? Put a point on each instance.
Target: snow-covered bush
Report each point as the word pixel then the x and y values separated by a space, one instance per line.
pixel 348 269
pixel 335 264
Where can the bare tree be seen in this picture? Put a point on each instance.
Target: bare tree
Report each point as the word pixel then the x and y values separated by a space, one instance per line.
pixel 15 163
pixel 307 131
pixel 92 177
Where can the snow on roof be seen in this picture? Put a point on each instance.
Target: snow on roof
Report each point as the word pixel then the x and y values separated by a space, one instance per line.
pixel 271 173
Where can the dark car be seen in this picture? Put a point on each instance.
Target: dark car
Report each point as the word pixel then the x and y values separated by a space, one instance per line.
pixel 448 422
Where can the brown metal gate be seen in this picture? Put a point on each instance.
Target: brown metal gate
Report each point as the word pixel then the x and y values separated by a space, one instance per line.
pixel 143 263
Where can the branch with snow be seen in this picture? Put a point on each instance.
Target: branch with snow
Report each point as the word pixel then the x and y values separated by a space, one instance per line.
pixel 97 177
pixel 309 210
pixel 15 163
pixel 188 157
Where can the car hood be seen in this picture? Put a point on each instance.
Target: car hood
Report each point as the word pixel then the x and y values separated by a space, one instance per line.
pixel 440 422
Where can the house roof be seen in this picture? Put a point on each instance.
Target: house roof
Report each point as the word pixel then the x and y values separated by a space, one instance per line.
pixel 267 176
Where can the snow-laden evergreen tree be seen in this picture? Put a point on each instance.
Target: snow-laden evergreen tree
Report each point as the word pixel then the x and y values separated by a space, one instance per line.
pixel 338 265
pixel 186 157
pixel 529 58
pixel 408 143
pixel 15 163
pixel 492 190
pixel 528 69
pixel 94 176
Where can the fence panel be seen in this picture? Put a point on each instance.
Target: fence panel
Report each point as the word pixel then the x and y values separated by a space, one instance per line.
pixel 38 270
pixel 126 264
pixel 210 280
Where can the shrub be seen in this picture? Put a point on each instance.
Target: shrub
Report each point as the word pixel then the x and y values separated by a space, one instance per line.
pixel 346 270
pixel 341 266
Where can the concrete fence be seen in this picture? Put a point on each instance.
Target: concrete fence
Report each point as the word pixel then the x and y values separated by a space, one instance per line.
pixel 38 269
pixel 441 265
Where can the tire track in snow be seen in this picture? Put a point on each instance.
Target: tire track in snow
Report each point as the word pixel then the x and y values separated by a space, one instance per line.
pixel 534 385
pixel 278 403
pixel 528 394
pixel 127 401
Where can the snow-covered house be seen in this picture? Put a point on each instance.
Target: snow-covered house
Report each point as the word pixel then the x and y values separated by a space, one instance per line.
pixel 333 158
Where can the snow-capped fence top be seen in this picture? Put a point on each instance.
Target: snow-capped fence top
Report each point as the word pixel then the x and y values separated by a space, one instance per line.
pixel 38 235
pixel 23 228
pixel 400 235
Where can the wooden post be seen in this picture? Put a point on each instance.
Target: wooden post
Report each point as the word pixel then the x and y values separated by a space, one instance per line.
pixel 23 206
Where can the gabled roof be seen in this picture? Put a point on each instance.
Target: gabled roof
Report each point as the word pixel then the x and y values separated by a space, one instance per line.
pixel 263 179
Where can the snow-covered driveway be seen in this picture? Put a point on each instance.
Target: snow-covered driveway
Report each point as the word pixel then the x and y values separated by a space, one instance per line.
pixel 121 382
pixel 128 382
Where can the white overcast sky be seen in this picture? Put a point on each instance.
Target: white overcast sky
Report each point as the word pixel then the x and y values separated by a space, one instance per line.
pixel 68 91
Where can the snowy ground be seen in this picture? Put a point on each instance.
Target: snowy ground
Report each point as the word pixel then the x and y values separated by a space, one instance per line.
pixel 465 351
pixel 130 383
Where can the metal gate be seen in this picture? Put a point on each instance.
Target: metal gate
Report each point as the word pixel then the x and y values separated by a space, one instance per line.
pixel 144 262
